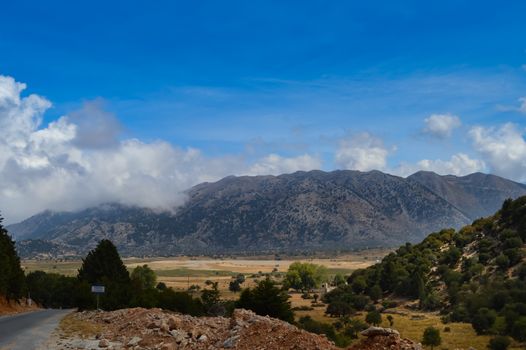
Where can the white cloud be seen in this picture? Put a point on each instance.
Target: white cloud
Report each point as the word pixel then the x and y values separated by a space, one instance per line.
pixel 503 149
pixel 459 164
pixel 362 152
pixel 441 125
pixel 274 164
pixel 522 107
pixel 78 161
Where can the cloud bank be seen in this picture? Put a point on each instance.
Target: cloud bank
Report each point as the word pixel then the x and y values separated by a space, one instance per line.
pixel 78 161
pixel 362 152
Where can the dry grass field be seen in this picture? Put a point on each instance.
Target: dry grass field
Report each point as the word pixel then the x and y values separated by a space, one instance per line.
pixel 180 272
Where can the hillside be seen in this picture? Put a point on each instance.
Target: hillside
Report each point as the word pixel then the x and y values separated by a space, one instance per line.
pixel 313 210
pixel 475 275
pixel 475 195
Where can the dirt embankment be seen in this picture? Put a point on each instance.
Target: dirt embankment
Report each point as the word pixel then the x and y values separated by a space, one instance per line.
pixel 15 306
pixel 156 329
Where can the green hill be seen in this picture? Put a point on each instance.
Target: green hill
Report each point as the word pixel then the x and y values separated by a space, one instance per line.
pixel 476 274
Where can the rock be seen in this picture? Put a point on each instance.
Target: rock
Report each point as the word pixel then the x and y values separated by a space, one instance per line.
pixel 202 338
pixel 103 343
pixel 374 331
pixel 172 323
pixel 164 327
pixel 230 342
pixel 134 341
pixel 178 335
pixel 169 346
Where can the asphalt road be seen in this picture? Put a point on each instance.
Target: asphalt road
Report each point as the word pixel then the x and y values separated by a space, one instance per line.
pixel 28 330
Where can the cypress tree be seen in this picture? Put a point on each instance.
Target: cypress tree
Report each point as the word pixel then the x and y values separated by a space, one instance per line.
pixel 12 280
pixel 103 266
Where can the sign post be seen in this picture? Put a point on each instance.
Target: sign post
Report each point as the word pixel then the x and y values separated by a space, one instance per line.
pixel 97 290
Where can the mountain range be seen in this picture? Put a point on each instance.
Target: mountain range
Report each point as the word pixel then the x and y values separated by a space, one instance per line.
pixel 303 211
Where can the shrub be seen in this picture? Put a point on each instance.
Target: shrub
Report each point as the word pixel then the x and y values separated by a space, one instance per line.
pixel 499 343
pixel 374 318
pixel 339 308
pixel 431 337
pixel 483 320
pixel 518 330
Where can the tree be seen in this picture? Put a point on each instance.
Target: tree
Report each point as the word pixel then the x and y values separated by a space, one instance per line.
pixel 104 266
pixel 359 284
pixel 304 276
pixel 374 318
pixel 51 289
pixel 240 278
pixel 483 320
pixel 180 301
pixel 375 293
pixel 338 309
pixel 391 320
pixel 502 261
pixel 315 297
pixel 143 277
pixel 12 281
pixel 211 299
pixel 499 343
pixel 338 280
pixel 266 299
pixel 143 280
pixel 518 330
pixel 431 337
pixel 234 286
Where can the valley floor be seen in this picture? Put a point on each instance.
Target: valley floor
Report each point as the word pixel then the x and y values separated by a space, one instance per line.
pixel 180 273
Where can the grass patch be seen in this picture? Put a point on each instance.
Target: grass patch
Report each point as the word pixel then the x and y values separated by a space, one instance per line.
pixel 68 268
pixel 185 272
pixel 339 271
pixel 72 326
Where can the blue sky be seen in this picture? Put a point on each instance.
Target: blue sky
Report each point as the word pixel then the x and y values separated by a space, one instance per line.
pixel 249 79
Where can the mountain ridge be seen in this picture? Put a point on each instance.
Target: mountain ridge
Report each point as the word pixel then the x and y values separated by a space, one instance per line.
pixel 313 210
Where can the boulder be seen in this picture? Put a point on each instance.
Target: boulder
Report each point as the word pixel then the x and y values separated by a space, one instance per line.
pixel 374 331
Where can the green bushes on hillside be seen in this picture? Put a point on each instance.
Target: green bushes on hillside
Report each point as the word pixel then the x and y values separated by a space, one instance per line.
pixel 479 270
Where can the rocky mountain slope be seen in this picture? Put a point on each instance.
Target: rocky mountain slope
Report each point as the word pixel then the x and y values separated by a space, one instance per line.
pixel 475 195
pixel 302 211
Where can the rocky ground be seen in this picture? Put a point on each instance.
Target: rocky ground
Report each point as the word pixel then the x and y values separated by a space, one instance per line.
pixel 156 329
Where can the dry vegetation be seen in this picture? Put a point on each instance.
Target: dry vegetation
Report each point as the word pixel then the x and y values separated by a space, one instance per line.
pixel 182 272
pixel 74 326
pixel 14 307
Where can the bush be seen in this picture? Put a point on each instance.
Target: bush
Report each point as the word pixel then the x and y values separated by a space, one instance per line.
pixel 302 308
pixel 338 309
pixel 374 318
pixel 499 343
pixel 52 290
pixel 502 261
pixel 310 325
pixel 431 337
pixel 518 330
pixel 483 320
pixel 234 286
pixel 180 301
